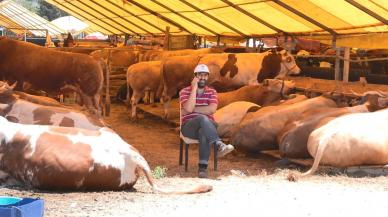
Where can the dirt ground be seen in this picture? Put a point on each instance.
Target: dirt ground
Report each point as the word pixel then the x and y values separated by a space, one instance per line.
pixel 244 185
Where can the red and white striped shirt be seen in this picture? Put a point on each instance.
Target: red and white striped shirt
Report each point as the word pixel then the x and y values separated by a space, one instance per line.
pixel 208 97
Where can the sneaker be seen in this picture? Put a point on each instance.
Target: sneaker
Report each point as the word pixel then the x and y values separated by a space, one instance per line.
pixel 224 149
pixel 202 173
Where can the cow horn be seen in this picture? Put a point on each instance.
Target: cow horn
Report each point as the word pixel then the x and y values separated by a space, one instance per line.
pixel 13 85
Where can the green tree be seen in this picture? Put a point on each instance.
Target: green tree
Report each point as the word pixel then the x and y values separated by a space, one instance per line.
pixel 42 8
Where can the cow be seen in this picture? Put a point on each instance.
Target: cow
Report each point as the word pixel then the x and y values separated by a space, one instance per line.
pixel 231 71
pixel 52 71
pixel 18 110
pixel 227 71
pixel 349 140
pixel 154 55
pixel 258 130
pixel 270 91
pixel 143 78
pixel 122 58
pixel 65 158
pixel 228 117
pixel 292 139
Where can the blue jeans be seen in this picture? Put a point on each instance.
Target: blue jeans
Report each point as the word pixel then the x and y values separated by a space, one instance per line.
pixel 204 130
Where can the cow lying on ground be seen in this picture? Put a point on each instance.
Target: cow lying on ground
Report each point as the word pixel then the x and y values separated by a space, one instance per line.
pixel 293 137
pixel 349 140
pixel 143 78
pixel 227 71
pixel 270 91
pixel 52 71
pixel 18 110
pixel 258 130
pixel 64 158
pixel 228 117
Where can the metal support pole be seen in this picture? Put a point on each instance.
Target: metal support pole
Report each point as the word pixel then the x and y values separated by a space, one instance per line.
pixel 345 76
pixel 337 60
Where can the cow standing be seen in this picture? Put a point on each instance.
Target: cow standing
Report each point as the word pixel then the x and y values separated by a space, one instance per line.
pixel 52 71
pixel 227 71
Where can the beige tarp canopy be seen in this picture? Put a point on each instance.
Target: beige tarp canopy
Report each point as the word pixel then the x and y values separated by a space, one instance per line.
pixel 24 19
pixel 238 18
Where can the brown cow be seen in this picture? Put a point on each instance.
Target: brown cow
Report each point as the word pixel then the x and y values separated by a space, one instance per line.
pixel 228 117
pixel 258 130
pixel 142 78
pixel 262 94
pixel 227 71
pixel 64 158
pixel 154 55
pixel 118 57
pixel 22 111
pixel 52 71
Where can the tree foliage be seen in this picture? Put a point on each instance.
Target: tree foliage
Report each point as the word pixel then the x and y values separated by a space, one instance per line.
pixel 42 8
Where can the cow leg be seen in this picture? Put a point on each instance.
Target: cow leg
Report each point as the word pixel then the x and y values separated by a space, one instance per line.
pixel 152 97
pixel 134 101
pixel 146 98
pixel 166 103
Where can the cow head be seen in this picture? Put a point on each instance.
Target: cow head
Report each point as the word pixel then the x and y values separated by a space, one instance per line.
pixel 5 88
pixel 376 100
pixel 288 65
pixel 283 87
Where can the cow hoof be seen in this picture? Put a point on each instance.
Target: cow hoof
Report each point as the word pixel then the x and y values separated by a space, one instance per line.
pixel 292 177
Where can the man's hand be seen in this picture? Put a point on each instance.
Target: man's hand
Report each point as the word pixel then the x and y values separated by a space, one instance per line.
pixel 194 83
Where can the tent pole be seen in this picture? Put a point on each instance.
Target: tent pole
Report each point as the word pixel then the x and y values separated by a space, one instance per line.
pixel 345 76
pixel 337 59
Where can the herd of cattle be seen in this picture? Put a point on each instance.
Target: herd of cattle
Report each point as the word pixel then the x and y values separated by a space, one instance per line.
pixel 47 145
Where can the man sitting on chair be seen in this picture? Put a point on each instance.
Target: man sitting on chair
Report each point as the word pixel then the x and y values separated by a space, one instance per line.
pixel 198 104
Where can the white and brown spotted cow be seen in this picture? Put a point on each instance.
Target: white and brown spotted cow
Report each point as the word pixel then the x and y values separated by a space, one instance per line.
pixel 64 158
pixel 14 108
pixel 227 71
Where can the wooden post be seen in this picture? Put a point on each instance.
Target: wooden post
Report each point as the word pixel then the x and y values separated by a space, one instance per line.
pixel 166 44
pixel 204 42
pixel 218 40
pixel 107 86
pixel 247 42
pixel 345 76
pixel 337 60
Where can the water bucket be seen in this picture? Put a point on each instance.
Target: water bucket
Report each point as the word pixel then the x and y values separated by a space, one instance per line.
pixel 21 207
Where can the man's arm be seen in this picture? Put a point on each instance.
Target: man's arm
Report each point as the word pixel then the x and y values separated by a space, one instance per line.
pixel 206 110
pixel 189 105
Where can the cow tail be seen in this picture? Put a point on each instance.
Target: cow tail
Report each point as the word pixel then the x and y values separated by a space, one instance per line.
pixel 147 172
pixel 322 144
